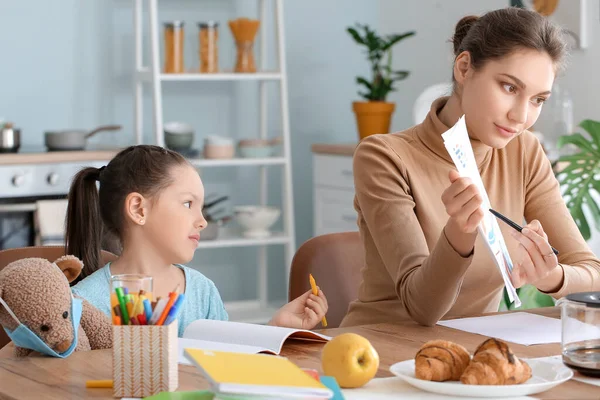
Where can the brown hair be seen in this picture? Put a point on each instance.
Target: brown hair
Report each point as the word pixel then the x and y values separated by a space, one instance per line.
pixel 500 32
pixel 93 212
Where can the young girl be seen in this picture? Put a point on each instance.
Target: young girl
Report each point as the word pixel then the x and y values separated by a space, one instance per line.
pixel 418 218
pixel 151 199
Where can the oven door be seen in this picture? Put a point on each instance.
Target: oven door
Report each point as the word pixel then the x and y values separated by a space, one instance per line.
pixel 18 223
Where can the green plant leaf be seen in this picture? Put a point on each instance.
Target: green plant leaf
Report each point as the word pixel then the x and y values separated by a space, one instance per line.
pixel 593 128
pixel 577 157
pixel 594 210
pixel 578 140
pixel 372 40
pixel 530 297
pixel 363 81
pixel 584 226
pixel 578 177
pixel 399 75
pixel 395 38
pixel 357 38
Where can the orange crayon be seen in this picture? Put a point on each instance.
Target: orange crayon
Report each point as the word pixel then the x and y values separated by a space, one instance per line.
pixel 315 291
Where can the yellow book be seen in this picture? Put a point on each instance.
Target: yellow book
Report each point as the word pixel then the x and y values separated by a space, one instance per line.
pixel 256 375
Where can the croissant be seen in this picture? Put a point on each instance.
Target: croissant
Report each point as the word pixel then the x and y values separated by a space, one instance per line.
pixel 441 360
pixel 494 363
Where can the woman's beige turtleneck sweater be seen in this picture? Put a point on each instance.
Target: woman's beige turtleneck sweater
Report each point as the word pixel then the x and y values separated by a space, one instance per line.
pixel 411 271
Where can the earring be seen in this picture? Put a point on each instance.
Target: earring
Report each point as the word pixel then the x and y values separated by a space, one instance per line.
pixel 141 221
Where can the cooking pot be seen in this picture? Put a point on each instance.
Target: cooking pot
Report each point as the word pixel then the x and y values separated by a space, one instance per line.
pixel 580 339
pixel 10 139
pixel 67 140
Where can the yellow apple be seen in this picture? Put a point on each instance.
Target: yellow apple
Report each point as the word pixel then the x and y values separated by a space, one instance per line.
pixel 350 359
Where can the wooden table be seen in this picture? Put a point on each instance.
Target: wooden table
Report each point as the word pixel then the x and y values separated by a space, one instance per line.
pixel 52 378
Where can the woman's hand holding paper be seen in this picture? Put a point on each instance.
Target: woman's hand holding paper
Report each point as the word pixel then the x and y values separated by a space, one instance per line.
pixel 463 204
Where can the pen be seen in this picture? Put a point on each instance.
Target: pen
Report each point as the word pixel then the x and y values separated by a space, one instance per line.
pixel 157 311
pixel 124 313
pixel 173 311
pixel 315 291
pixel 165 312
pixel 147 310
pixel 513 225
pixel 136 303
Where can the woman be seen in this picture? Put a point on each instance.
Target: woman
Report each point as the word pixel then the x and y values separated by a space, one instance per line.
pixel 418 218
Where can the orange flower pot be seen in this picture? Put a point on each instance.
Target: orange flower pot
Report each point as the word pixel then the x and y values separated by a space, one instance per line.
pixel 373 117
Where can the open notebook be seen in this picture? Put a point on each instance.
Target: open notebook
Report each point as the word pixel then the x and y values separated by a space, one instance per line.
pixel 240 337
pixel 256 375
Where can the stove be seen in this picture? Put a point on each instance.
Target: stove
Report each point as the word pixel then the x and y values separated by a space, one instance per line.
pixel 34 172
pixel 40 180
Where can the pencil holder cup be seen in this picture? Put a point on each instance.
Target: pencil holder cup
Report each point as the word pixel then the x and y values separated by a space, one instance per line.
pixel 144 359
pixel 128 293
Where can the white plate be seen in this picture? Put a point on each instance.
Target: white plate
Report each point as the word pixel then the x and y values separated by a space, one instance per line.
pixel 544 375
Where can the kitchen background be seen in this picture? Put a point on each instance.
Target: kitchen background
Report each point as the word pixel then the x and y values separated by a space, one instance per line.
pixel 69 64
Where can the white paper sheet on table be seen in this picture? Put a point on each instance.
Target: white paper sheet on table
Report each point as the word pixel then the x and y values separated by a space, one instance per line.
pixel 519 327
pixel 456 140
pixel 396 388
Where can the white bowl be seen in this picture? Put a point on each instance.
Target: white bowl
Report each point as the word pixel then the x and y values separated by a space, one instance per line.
pixel 218 140
pixel 178 128
pixel 256 220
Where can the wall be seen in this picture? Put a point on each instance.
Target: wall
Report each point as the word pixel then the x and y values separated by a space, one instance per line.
pixel 428 54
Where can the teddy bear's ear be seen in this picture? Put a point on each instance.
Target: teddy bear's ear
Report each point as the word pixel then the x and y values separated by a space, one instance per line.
pixel 70 265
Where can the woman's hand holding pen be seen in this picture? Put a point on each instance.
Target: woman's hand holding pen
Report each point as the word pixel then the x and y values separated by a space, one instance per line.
pixel 535 262
pixel 304 312
pixel 463 204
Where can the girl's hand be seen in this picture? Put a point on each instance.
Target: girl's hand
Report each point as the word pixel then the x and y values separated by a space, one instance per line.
pixel 463 204
pixel 304 312
pixel 535 262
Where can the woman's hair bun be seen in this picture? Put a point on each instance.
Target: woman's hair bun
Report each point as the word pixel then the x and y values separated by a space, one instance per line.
pixel 461 30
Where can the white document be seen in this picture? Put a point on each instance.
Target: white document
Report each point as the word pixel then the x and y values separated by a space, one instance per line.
pixel 396 388
pixel 456 140
pixel 520 327
pixel 240 337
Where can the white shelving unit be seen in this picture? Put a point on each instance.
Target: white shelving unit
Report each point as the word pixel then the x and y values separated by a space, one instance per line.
pixel 198 162
pixel 256 310
pixel 146 75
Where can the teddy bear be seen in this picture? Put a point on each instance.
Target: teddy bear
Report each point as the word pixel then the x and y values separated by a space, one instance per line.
pixel 39 295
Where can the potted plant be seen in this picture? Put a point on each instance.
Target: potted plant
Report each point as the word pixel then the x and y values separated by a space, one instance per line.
pixel 374 114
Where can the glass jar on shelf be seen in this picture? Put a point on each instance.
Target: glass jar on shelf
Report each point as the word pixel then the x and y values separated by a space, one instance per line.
pixel 208 38
pixel 244 31
pixel 174 35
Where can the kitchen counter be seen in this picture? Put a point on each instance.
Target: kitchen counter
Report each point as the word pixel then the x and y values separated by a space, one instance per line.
pixel 49 157
pixel 334 149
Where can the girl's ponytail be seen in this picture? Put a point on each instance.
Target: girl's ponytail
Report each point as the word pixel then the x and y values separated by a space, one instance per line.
pixel 84 227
